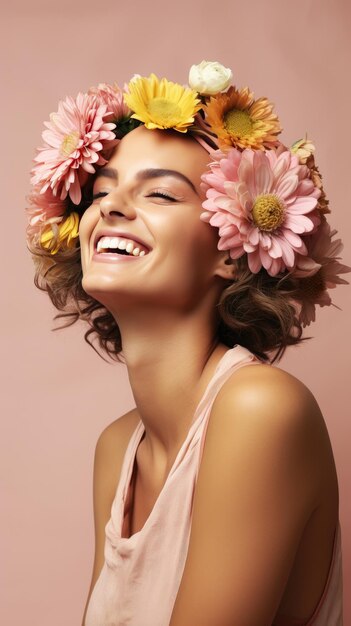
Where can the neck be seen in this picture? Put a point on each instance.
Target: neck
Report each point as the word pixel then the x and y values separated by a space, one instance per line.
pixel 170 360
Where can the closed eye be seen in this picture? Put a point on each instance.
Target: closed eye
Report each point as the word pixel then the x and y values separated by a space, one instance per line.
pixel 99 195
pixel 159 194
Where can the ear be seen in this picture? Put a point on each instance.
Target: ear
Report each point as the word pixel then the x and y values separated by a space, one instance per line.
pixel 225 267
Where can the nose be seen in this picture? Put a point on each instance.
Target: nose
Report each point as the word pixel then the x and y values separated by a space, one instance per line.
pixel 116 204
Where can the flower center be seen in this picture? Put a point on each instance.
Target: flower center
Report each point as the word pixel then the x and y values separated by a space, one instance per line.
pixel 164 112
pixel 238 122
pixel 268 212
pixel 69 143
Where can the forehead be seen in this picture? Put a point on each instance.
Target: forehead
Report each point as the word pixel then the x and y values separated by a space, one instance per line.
pixel 143 148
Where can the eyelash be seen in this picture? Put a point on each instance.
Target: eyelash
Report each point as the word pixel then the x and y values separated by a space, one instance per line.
pixel 157 194
pixel 162 194
pixel 99 195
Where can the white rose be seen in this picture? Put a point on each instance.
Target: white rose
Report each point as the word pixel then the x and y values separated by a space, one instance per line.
pixel 209 77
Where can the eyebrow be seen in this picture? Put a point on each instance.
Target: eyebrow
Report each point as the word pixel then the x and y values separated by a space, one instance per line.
pixel 148 174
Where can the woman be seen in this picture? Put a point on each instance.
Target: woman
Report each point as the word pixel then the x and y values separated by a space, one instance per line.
pixel 216 497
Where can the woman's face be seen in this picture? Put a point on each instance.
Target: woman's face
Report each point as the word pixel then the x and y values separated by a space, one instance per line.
pixel 150 191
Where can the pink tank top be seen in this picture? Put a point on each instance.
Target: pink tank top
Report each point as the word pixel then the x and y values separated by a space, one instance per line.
pixel 141 574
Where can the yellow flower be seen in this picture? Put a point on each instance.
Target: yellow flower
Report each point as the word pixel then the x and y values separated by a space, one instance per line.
pixel 64 233
pixel 239 120
pixel 303 148
pixel 161 103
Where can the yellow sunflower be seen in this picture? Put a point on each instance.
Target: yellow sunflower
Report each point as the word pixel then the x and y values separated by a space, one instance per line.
pixel 239 120
pixel 64 233
pixel 161 103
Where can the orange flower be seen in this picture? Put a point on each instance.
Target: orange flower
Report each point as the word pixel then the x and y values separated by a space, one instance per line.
pixel 241 121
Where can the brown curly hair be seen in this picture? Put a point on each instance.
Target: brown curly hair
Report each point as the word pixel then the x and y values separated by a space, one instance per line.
pixel 257 311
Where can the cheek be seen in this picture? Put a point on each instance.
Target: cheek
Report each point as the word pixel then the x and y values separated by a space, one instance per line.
pixel 86 227
pixel 195 247
pixel 205 239
pixel 189 227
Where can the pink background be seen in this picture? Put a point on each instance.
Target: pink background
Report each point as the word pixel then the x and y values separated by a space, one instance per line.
pixel 58 395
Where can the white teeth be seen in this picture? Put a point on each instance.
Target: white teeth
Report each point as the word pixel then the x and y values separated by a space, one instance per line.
pixel 116 243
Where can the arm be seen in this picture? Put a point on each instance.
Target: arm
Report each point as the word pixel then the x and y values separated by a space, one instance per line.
pixel 257 487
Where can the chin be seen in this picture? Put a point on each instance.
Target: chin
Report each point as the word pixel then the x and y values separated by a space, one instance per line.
pixel 96 286
pixel 107 291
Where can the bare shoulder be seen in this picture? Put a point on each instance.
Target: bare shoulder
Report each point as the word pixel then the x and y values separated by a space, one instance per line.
pixel 258 484
pixel 109 453
pixel 120 426
pixel 118 432
pixel 108 459
pixel 111 446
pixel 266 386
pixel 277 406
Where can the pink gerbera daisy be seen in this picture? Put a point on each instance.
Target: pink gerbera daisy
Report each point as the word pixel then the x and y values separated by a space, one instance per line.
pixel 74 139
pixel 113 97
pixel 319 271
pixel 42 208
pixel 262 202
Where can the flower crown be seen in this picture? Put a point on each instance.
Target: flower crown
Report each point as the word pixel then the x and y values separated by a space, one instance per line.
pixel 266 200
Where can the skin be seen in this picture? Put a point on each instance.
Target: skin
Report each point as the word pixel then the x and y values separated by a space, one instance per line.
pixel 180 279
pixel 265 518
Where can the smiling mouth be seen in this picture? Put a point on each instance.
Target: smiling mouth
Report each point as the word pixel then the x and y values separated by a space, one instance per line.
pixel 120 246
